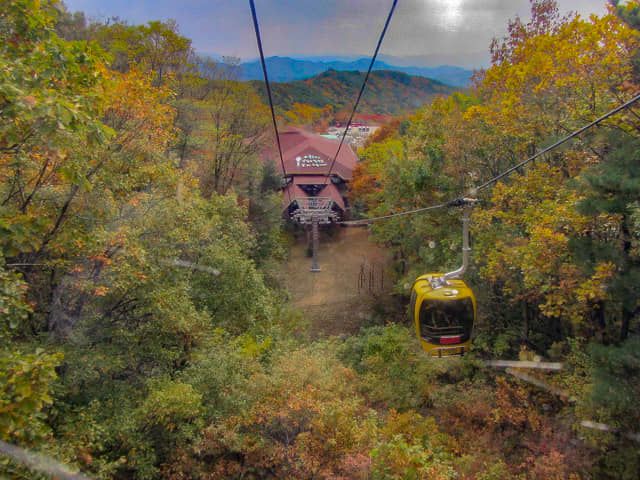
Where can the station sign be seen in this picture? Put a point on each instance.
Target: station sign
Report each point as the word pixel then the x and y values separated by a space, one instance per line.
pixel 310 161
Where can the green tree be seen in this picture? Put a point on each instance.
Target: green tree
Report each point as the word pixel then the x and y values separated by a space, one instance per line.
pixel 157 47
pixel 613 189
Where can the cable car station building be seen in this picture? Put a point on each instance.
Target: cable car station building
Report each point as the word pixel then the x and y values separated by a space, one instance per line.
pixel 307 159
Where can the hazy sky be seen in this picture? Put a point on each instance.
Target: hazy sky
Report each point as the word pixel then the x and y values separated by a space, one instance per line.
pixel 446 28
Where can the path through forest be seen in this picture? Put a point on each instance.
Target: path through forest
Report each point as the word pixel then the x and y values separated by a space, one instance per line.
pixel 353 275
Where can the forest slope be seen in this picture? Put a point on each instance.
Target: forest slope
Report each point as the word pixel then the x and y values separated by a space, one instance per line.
pixel 387 93
pixel 144 334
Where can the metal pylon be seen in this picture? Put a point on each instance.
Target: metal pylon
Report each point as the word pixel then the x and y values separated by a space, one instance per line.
pixel 316 240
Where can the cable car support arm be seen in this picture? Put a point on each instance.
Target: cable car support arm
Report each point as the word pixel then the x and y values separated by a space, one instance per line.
pixel 467 204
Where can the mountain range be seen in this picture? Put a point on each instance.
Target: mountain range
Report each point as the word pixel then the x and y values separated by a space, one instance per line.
pixel 387 93
pixel 286 69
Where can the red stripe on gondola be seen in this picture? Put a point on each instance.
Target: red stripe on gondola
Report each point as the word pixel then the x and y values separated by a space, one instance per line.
pixel 450 340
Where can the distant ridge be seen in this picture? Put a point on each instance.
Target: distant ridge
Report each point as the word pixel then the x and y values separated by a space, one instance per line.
pixel 388 92
pixel 285 69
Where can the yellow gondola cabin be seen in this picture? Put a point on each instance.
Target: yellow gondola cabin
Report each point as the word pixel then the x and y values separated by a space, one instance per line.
pixel 443 307
pixel 443 316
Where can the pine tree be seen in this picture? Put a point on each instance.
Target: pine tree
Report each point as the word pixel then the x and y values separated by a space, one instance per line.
pixel 613 195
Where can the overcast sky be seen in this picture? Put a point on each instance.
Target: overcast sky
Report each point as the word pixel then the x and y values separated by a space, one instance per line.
pixel 459 30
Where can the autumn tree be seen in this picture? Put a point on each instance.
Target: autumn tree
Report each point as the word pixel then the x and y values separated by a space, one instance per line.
pixel 228 134
pixel 523 107
pixel 309 117
pixel 157 46
pixel 218 128
pixel 104 258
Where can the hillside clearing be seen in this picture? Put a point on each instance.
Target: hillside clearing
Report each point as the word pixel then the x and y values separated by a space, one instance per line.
pixel 340 298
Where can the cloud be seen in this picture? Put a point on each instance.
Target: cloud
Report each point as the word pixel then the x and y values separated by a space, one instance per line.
pixel 317 27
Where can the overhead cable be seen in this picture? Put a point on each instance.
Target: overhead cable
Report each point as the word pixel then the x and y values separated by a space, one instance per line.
pixel 559 142
pixel 364 84
pixel 256 27
pixel 458 201
pixel 399 214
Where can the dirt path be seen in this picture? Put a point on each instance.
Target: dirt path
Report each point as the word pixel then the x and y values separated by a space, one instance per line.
pixel 340 297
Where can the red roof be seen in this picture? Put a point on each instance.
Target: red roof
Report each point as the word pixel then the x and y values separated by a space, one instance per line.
pixel 306 153
pixel 329 190
pixel 310 179
pixel 308 158
pixel 292 191
pixel 332 191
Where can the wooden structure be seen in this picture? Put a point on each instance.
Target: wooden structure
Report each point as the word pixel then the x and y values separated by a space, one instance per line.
pixel 314 193
pixel 315 184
